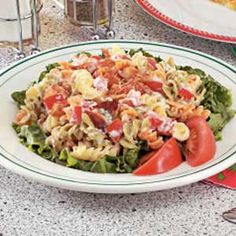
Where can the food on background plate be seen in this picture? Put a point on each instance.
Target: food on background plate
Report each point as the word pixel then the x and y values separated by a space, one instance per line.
pixel 122 112
pixel 231 4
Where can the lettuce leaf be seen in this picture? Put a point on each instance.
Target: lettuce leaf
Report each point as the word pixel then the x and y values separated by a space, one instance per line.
pixel 34 139
pixel 217 99
pixel 19 97
pixel 108 164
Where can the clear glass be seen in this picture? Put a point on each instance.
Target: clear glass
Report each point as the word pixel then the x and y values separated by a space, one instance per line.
pixel 9 30
pixel 80 12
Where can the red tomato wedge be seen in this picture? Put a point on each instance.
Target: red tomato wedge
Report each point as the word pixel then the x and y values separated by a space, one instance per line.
pixel 51 100
pixel 98 120
pixel 154 85
pixel 166 158
pixel 115 129
pixel 186 94
pixel 201 145
pixel 76 117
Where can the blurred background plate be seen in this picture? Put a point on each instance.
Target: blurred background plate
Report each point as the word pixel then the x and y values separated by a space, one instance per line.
pixel 202 18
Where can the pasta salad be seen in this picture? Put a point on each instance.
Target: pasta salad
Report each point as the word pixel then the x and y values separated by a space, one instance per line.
pixel 122 112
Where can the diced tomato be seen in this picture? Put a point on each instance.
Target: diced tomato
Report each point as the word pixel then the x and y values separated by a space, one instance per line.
pixel 57 110
pixel 111 106
pixel 155 122
pixel 185 93
pixel 96 57
pixel 165 159
pixel 152 63
pixel 154 85
pixel 201 145
pixel 76 115
pixel 98 120
pixel 115 129
pixel 107 62
pixel 51 100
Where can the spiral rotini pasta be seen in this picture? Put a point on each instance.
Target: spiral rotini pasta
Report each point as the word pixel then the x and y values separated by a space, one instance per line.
pixel 82 152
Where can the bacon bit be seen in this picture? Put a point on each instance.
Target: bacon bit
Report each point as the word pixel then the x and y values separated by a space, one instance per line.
pixel 56 89
pixel 125 57
pixel 105 52
pixel 106 63
pixel 152 63
pixel 121 64
pixel 21 118
pixel 65 65
pixel 98 120
pixel 128 72
pixel 110 106
pixel 66 73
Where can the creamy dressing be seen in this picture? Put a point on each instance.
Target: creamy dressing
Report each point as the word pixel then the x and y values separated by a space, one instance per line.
pixel 79 60
pixel 166 125
pixel 114 133
pixel 134 96
pixel 100 84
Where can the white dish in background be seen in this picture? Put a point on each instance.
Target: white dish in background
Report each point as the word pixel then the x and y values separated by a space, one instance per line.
pixel 202 18
pixel 17 158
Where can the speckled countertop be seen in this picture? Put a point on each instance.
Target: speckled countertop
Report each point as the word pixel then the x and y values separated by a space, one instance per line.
pixel 29 208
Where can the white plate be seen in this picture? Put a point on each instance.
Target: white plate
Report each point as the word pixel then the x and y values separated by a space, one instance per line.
pixel 17 158
pixel 202 18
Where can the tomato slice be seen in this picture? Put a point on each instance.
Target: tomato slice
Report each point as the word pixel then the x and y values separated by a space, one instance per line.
pixel 185 93
pixel 201 145
pixel 154 85
pixel 76 115
pixel 51 100
pixel 166 158
pixel 98 120
pixel 115 129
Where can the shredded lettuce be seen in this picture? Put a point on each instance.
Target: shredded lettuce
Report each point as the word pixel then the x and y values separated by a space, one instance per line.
pixel 217 99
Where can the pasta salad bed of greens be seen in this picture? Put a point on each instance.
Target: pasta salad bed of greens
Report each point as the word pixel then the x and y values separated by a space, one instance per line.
pixel 122 112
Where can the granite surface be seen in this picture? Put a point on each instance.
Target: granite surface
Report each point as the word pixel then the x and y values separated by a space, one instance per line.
pixel 29 208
